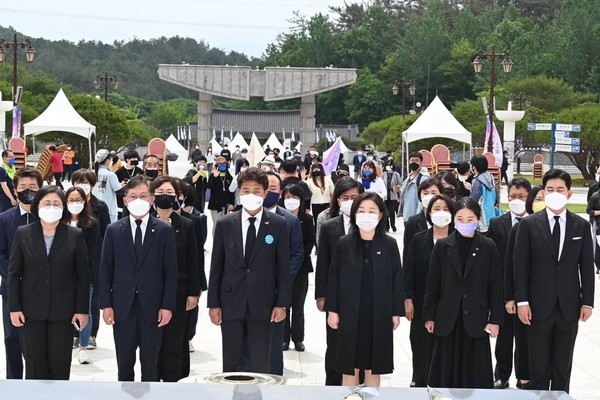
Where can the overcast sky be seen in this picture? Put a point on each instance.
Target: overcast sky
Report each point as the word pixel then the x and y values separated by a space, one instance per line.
pixel 246 26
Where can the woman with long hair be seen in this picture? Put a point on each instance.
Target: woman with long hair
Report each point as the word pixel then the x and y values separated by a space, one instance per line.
pixel 321 188
pixel 371 181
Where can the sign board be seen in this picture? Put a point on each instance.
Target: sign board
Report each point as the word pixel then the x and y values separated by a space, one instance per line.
pixel 562 140
pixel 540 127
pixel 562 134
pixel 568 127
pixel 567 149
pixel 575 142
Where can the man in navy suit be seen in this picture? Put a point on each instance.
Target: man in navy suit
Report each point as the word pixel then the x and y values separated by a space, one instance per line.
pixel 138 281
pixel 249 286
pixel 358 160
pixel 27 182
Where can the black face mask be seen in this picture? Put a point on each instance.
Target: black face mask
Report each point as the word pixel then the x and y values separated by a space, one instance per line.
pixel 450 192
pixel 177 204
pixel 26 196
pixel 164 201
pixel 413 166
pixel 316 173
pixel 151 173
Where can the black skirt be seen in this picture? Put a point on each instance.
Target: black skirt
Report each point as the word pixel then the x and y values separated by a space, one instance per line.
pixel 461 361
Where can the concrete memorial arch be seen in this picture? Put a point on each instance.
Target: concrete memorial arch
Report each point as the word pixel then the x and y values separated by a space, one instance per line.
pixel 270 83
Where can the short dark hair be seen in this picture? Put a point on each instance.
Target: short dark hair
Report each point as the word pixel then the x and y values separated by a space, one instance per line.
pixel 289 166
pixel 480 163
pixel 199 158
pixel 427 183
pixel 253 174
pixel 147 156
pixel 342 185
pixel 5 153
pixel 83 174
pixel 470 204
pixel 85 219
pixel 557 174
pixel 136 181
pixel 244 162
pixel 448 177
pixel 463 167
pixel 449 203
pixel 189 192
pixel 131 154
pixel 52 147
pixel 297 191
pixel 416 154
pixel 531 198
pixel 43 192
pixel 370 153
pixel 276 175
pixel 519 183
pixel 160 180
pixel 380 204
pixel 28 172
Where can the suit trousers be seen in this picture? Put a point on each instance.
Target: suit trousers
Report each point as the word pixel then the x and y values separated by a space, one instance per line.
pixel 294 318
pixel 504 349
pixel 174 336
pixel 256 333
pixel 421 343
pixel 276 363
pixel 134 332
pixel 521 349
pixel 12 344
pixel 551 344
pixel 332 377
pixel 47 347
pixel 392 209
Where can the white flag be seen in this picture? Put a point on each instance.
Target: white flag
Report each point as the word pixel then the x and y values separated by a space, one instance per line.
pixel 214 134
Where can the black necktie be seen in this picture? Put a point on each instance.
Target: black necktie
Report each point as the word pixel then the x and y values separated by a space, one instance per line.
pixel 556 234
pixel 138 238
pixel 250 239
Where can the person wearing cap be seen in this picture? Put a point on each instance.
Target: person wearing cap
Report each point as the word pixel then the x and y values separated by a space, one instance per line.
pixel 221 199
pixel 108 184
pixel 268 164
pixel 198 177
pixel 342 170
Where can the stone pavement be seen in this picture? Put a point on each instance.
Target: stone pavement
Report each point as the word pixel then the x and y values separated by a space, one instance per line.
pixel 307 368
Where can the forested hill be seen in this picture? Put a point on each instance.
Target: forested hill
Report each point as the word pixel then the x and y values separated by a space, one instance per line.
pixel 134 62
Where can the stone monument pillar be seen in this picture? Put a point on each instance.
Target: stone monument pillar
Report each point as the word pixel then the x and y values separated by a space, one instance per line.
pixel 509 117
pixel 308 110
pixel 204 120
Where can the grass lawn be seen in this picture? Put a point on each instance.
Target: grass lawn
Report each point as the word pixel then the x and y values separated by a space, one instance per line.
pixel 575 208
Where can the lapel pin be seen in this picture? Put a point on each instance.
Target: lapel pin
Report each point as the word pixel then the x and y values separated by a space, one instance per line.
pixel 266 222
pixel 379 252
pixel 474 254
pixel 152 230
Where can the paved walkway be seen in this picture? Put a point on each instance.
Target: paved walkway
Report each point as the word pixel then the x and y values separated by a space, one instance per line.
pixel 307 368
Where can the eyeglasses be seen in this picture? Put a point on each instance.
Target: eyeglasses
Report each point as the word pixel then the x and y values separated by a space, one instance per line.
pixel 133 197
pixel 521 197
pixel 48 204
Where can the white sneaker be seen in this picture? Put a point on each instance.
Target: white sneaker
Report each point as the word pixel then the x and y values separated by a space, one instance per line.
pixel 192 348
pixel 83 357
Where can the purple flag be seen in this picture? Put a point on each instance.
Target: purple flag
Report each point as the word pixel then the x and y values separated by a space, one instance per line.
pixel 331 157
pixel 490 128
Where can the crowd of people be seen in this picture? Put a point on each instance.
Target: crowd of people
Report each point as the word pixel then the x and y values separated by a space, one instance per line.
pixel 129 241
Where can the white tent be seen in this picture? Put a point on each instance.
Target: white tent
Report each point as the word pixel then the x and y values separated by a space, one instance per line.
pixel 238 140
pixel 60 116
pixel 215 146
pixel 436 121
pixel 273 143
pixel 174 146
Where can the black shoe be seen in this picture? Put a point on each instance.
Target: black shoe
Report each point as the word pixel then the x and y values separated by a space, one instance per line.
pixel 286 346
pixel 524 386
pixel 394 229
pixel 299 346
pixel 500 384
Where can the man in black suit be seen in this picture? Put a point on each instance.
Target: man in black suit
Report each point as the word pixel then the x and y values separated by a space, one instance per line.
pixel 249 285
pixel 27 182
pixel 554 282
pixel 499 231
pixel 138 281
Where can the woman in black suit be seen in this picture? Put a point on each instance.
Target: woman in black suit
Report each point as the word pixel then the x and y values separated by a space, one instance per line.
pixel 366 262
pixel 416 268
pixel 48 287
pixel 463 303
pixel 80 215
pixel 165 190
pixel 293 199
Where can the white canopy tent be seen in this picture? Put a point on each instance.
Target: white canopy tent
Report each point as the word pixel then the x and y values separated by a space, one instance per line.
pixel 174 146
pixel 435 121
pixel 273 143
pixel 60 116
pixel 216 147
pixel 238 140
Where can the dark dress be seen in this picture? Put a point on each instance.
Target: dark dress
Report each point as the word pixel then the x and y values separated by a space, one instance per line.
pixel 364 338
pixel 459 360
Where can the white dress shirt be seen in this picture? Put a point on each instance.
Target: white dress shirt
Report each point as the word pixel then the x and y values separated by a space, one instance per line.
pixel 563 226
pixel 347 225
pixel 143 226
pixel 513 218
pixel 246 225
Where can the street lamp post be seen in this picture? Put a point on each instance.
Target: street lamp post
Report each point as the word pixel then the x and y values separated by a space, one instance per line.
pixel 106 79
pixel 403 84
pixel 478 66
pixel 29 57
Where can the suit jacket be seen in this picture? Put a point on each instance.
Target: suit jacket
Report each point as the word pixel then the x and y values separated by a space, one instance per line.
pixel 508 278
pixel 308 237
pixel 415 224
pixel 541 279
pixel 416 268
pixel 296 242
pixel 50 286
pixel 10 220
pixel 262 284
pixel 357 162
pixel 478 290
pixel 498 231
pixel 201 230
pixel 187 254
pixel 153 277
pixel 329 234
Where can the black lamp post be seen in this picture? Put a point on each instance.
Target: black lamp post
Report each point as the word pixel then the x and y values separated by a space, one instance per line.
pixel 29 57
pixel 403 84
pixel 478 66
pixel 106 79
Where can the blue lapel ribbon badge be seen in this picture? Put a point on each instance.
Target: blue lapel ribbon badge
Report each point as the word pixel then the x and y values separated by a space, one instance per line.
pixel 269 239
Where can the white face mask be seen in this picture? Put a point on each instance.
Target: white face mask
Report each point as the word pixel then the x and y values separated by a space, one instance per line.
pixel 517 206
pixel 86 187
pixel 345 207
pixel 388 168
pixel 597 177
pixel 441 219
pixel 463 178
pixel 426 199
pixel 138 207
pixel 367 222
pixel 370 158
pixel 50 215
pixel 251 202
pixel 291 204
pixel 75 208
pixel 555 201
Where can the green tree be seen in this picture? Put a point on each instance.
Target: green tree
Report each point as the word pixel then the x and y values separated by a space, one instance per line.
pixel 369 99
